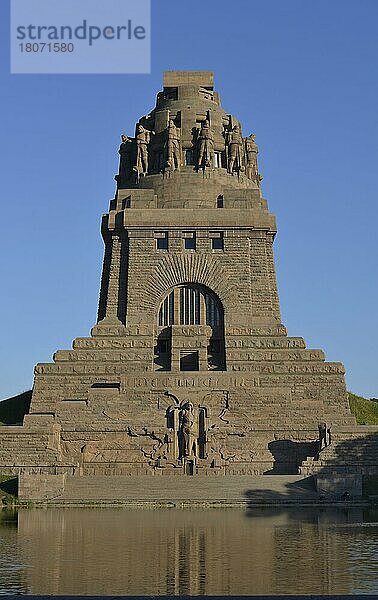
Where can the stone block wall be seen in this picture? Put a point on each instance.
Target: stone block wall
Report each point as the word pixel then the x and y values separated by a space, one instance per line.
pixel 261 414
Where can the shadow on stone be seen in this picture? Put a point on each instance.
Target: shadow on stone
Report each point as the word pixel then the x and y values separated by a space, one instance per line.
pixel 294 493
pixel 341 476
pixel 10 486
pixel 103 386
pixel 289 455
pixel 13 410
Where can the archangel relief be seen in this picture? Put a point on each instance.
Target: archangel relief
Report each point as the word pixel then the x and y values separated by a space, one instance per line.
pixel 187 428
pixel 188 431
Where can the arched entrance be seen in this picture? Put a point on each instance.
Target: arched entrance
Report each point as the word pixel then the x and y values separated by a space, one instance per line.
pixel 190 330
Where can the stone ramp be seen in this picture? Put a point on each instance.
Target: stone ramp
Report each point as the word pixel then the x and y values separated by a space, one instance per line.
pixel 185 489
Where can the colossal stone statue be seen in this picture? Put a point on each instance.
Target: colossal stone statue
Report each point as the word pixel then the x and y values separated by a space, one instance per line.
pixel 143 137
pixel 205 146
pixel 251 151
pixel 235 145
pixel 173 147
pixel 125 163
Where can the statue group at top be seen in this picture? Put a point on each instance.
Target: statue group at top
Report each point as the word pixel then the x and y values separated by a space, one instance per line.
pixel 149 153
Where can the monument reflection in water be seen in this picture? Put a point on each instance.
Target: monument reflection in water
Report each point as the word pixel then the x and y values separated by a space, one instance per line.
pixel 126 551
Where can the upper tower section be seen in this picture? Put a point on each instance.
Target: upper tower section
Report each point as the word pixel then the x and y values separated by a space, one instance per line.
pixel 190 138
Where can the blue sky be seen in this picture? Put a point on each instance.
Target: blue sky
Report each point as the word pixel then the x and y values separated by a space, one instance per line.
pixel 301 74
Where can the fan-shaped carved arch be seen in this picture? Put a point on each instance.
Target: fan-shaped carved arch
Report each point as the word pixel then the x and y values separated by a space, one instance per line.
pixel 178 269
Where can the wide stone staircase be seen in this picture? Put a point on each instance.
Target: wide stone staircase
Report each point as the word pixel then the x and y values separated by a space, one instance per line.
pixel 353 450
pixel 181 490
pixel 341 469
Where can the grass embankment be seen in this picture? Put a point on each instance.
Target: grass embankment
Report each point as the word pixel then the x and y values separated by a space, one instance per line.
pixel 365 411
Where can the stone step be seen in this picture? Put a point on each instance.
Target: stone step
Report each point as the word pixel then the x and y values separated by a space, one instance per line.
pixel 157 488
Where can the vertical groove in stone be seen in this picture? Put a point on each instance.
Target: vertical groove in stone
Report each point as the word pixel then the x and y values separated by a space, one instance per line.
pixel 114 271
pixel 104 280
pixel 123 279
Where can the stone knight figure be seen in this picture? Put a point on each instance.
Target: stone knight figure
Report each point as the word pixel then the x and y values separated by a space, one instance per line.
pixel 251 151
pixel 322 428
pixel 235 146
pixel 143 137
pixel 205 146
pixel 125 163
pixel 173 147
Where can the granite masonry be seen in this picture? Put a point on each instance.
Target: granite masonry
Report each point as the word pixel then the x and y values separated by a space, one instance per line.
pixel 189 370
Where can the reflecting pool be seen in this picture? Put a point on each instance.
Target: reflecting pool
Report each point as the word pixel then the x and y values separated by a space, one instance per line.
pixel 120 551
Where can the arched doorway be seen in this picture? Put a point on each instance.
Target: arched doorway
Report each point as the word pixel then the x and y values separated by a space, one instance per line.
pixel 196 312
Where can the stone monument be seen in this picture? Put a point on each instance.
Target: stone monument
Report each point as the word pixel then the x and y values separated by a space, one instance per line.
pixel 189 370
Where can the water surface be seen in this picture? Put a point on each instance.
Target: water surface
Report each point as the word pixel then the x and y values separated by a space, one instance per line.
pixel 171 551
